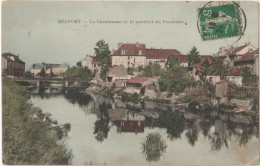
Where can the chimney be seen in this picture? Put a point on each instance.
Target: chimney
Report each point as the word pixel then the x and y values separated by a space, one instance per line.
pixel 137 44
pixel 120 44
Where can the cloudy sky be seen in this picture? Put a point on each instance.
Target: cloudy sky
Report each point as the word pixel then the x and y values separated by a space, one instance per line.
pixel 31 29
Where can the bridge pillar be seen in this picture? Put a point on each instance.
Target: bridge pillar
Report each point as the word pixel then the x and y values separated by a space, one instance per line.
pixel 66 83
pixel 38 83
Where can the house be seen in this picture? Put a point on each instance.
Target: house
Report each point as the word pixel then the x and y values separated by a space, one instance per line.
pixel 91 63
pixel 234 76
pixel 221 88
pixel 36 68
pixel 49 68
pixel 244 60
pixel 135 55
pixel 129 55
pixel 161 56
pixel 248 47
pixel 146 86
pixel 232 54
pixel 117 75
pixel 59 69
pixel 12 65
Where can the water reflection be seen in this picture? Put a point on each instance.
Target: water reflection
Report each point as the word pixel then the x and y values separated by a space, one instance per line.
pixel 154 147
pixel 219 131
pixel 102 127
pixel 127 121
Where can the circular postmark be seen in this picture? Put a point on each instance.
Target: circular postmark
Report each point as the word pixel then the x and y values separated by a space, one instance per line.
pixel 220 20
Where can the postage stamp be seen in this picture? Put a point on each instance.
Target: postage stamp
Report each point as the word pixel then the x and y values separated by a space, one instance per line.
pixel 218 22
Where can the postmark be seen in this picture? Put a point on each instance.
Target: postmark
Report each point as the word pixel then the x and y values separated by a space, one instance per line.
pixel 218 21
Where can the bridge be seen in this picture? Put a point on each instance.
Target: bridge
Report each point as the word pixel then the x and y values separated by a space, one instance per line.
pixel 50 79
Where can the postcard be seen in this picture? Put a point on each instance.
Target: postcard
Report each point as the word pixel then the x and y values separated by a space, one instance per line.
pixel 130 83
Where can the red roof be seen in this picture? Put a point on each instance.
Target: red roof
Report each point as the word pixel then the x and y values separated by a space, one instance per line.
pixel 203 58
pixel 140 80
pixel 133 49
pixel 221 81
pixel 238 49
pixel 130 49
pixel 245 57
pixel 94 60
pixel 161 53
pixel 183 58
pixel 235 71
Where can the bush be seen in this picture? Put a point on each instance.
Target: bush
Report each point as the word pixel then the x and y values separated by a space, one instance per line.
pixel 131 97
pixel 131 107
pixel 194 105
pixel 224 107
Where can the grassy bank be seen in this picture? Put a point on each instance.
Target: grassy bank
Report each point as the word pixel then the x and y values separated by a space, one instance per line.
pixel 26 141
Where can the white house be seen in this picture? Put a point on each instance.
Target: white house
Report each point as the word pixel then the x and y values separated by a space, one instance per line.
pixel 91 63
pixel 135 55
pixel 129 55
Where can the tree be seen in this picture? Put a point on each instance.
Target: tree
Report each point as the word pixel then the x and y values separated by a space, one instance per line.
pixel 247 75
pixel 193 56
pixel 206 68
pixel 78 72
pixel 102 53
pixel 52 74
pixel 176 78
pixel 42 73
pixel 79 63
pixel 220 69
pixel 152 70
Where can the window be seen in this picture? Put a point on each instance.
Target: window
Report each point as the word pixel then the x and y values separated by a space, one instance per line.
pixel 140 52
pixel 123 52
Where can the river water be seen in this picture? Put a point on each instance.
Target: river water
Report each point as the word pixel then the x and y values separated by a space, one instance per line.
pixel 103 132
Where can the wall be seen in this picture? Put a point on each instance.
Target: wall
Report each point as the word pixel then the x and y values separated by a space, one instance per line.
pixel 213 79
pixel 235 80
pixel 129 61
pixel 221 89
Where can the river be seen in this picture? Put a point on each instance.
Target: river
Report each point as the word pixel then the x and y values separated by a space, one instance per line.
pixel 103 132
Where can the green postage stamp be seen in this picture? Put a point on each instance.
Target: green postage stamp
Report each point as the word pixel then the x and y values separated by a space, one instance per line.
pixel 218 22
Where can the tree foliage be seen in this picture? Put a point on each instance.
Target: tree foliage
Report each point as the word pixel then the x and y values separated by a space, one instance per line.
pixel 78 72
pixel 42 73
pixel 247 75
pixel 176 78
pixel 220 69
pixel 26 141
pixel 193 56
pixel 102 53
pixel 152 70
pixel 207 69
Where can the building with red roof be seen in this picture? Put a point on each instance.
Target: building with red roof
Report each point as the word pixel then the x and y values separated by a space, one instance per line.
pixel 210 58
pixel 91 63
pixel 134 55
pixel 140 85
pixel 129 55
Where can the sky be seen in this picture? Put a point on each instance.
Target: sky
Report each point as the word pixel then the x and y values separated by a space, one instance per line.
pixel 31 29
